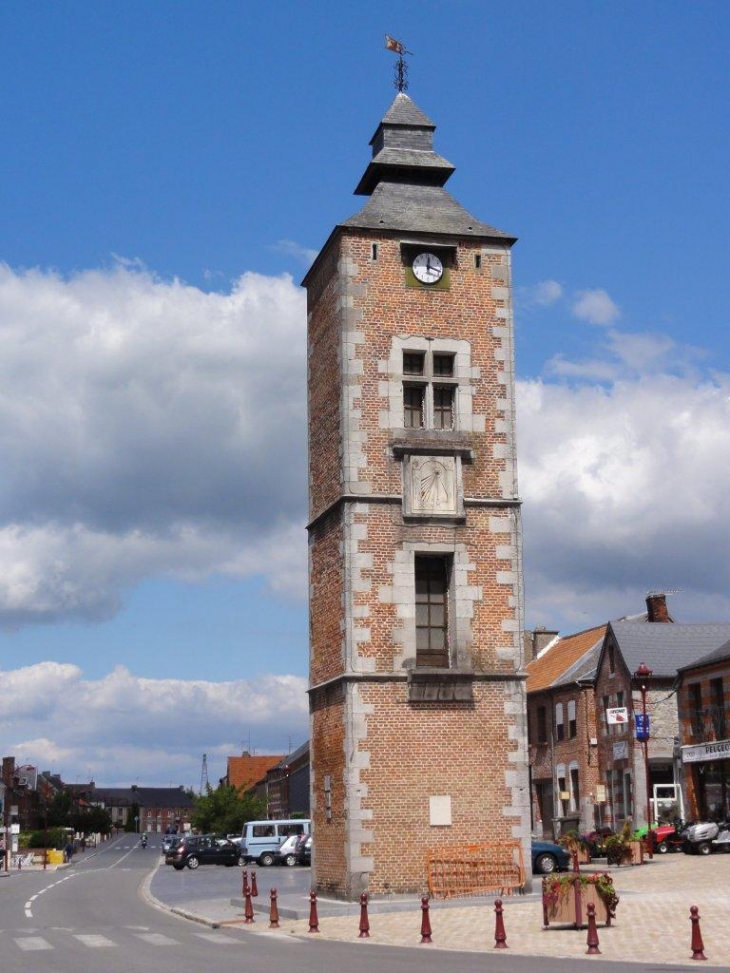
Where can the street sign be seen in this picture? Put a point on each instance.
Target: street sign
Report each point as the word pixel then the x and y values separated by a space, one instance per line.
pixel 643 727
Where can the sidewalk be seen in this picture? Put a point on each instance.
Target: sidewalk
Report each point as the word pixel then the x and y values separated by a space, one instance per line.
pixel 652 922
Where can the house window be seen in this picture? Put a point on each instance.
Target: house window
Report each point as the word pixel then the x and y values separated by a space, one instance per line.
pixel 574 790
pixel 717 702
pixel 541 724
pixel 572 722
pixel 559 725
pixel 432 589
pixel 431 403
pixel 606 706
pixel 696 714
pixel 620 727
pixel 563 792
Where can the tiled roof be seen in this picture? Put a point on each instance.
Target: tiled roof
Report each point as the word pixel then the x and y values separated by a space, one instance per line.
pixel 143 796
pixel 667 648
pixel 570 658
pixel 719 655
pixel 246 771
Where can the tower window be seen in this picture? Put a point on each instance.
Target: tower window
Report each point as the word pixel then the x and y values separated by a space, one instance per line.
pixel 413 402
pixel 429 405
pixel 478 261
pixel 414 362
pixel 443 408
pixel 374 252
pixel 432 585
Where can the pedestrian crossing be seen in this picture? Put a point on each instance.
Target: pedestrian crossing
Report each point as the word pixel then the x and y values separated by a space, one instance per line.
pixel 56 939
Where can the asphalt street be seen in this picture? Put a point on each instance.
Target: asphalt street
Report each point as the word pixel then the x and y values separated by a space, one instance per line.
pixel 104 912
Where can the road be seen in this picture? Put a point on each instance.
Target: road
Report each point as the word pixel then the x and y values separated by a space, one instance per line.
pixel 94 916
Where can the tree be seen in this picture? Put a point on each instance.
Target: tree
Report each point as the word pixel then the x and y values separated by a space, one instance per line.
pixel 225 810
pixel 131 824
pixel 59 810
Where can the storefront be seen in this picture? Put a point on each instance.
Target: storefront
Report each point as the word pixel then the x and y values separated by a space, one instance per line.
pixel 707 773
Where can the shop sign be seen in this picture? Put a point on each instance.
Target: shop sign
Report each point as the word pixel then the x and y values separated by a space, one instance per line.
pixel 617 715
pixel 620 751
pixel 719 750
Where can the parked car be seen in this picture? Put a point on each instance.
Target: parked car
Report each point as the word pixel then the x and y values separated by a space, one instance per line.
pixel 261 839
pixel 203 849
pixel 547 857
pixel 287 852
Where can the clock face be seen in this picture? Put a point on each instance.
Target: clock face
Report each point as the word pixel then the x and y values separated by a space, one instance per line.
pixel 428 268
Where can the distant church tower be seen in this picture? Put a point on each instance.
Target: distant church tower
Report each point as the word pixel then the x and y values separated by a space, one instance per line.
pixel 417 700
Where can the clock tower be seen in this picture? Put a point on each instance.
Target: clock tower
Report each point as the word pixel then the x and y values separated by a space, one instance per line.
pixel 417 699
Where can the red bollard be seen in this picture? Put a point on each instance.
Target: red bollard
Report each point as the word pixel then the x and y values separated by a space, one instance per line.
pixel 248 910
pixel 425 921
pixel 592 938
pixel 273 911
pixel 698 947
pixel 500 936
pixel 364 921
pixel 245 881
pixel 313 918
pixel 254 886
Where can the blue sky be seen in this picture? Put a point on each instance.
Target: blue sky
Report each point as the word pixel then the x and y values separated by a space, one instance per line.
pixel 169 170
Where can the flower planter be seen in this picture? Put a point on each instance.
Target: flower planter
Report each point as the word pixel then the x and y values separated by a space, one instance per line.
pixel 637 852
pixel 565 899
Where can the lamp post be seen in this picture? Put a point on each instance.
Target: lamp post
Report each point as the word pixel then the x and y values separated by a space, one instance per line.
pixel 643 732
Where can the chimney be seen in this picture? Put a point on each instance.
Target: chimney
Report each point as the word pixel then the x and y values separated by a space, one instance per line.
pixel 656 607
pixel 536 640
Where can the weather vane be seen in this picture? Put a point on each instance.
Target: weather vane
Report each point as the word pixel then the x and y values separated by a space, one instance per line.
pixel 401 68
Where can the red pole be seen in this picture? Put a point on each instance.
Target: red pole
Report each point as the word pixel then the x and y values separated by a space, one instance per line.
pixel 254 886
pixel 500 936
pixel 245 881
pixel 425 921
pixel 364 921
pixel 698 947
pixel 248 910
pixel 273 911
pixel 592 938
pixel 313 918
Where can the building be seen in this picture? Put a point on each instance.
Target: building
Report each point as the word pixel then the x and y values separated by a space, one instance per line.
pixel 154 810
pixel 417 698
pixel 704 724
pixel 247 771
pixel 561 711
pixel 287 785
pixel 643 777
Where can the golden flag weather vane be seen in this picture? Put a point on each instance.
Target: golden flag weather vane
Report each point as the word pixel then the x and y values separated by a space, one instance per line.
pixel 401 68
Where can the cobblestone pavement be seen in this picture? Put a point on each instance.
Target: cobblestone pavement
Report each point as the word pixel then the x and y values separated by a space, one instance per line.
pixel 652 918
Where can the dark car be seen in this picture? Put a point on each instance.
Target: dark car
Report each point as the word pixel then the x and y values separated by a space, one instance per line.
pixel 203 849
pixel 548 857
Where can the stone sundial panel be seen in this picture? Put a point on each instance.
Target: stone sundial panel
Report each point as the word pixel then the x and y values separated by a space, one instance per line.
pixel 432 486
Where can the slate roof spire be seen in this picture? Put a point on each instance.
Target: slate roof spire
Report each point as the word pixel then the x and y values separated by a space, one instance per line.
pixel 405 179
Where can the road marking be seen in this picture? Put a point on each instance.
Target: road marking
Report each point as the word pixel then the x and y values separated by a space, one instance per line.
pixel 214 937
pixel 157 939
pixel 33 942
pixel 94 941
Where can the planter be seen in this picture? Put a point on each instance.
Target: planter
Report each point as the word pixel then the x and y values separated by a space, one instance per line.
pixel 565 899
pixel 637 852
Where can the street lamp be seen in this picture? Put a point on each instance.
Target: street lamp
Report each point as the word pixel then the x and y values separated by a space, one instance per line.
pixel 643 732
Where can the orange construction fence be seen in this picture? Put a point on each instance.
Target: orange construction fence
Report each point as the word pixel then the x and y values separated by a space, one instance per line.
pixel 491 866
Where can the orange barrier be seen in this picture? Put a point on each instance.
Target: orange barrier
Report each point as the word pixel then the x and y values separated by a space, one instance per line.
pixel 492 866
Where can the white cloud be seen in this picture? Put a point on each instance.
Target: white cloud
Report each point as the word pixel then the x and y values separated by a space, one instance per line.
pixel 624 490
pixel 126 728
pixel 146 427
pixel 305 255
pixel 595 307
pixel 547 292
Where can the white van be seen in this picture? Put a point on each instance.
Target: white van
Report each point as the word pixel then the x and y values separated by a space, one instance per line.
pixel 260 839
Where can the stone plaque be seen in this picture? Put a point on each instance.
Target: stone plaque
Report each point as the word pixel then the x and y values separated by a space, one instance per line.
pixel 431 486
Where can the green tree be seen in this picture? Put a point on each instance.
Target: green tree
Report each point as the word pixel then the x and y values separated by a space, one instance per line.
pixel 130 824
pixel 225 810
pixel 59 810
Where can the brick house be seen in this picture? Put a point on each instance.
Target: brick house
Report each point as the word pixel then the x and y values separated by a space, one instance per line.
pixel 287 785
pixel 664 647
pixel 561 715
pixel 248 772
pixel 704 726
pixel 159 808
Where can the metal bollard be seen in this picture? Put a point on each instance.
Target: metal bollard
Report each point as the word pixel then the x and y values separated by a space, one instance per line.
pixel 254 886
pixel 273 910
pixel 698 947
pixel 364 921
pixel 248 910
pixel 500 936
pixel 313 918
pixel 592 937
pixel 425 921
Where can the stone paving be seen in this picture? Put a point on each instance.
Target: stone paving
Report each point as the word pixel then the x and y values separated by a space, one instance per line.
pixel 652 922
